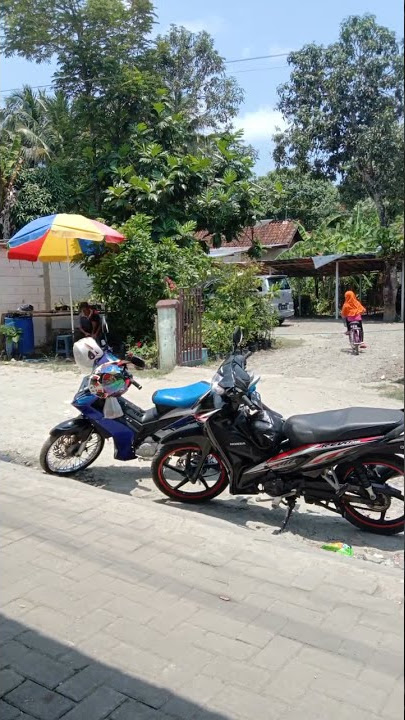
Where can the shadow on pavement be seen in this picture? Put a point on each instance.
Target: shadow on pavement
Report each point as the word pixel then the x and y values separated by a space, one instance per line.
pixel 308 524
pixel 47 680
pixel 116 479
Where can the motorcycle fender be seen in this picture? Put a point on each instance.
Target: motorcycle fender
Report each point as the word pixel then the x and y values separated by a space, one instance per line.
pixel 192 433
pixel 75 426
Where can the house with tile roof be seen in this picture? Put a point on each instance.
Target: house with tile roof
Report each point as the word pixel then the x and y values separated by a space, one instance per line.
pixel 274 236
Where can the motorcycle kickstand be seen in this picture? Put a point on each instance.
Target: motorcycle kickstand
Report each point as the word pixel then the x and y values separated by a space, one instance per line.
pixel 292 501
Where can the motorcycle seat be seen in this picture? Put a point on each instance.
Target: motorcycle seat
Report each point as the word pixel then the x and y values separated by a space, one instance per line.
pixel 336 425
pixel 181 397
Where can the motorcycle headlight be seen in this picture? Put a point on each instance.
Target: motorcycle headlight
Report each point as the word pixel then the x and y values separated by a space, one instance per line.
pixel 215 387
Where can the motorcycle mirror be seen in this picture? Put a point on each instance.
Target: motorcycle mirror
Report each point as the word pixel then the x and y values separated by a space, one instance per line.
pixel 237 337
pixel 135 360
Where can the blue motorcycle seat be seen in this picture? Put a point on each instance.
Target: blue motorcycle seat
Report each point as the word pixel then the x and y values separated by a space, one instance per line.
pixel 182 397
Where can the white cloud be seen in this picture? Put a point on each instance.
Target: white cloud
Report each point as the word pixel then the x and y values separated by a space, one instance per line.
pixel 212 24
pixel 260 124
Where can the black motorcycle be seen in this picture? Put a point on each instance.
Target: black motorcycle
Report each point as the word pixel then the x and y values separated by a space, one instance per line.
pixel 346 461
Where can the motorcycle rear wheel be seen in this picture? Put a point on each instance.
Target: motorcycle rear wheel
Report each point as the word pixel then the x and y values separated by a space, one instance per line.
pixel 388 469
pixel 55 459
pixel 171 468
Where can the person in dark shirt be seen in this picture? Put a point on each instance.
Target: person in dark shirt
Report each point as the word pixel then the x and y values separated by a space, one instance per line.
pixel 89 322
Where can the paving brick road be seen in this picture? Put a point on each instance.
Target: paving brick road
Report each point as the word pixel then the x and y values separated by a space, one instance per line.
pixel 113 607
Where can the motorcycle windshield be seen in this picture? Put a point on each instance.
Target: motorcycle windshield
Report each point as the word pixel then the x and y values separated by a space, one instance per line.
pixel 235 376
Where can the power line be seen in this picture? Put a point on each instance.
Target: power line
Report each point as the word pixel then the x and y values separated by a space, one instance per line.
pixel 258 57
pixel 227 62
pixel 278 67
pixel 33 87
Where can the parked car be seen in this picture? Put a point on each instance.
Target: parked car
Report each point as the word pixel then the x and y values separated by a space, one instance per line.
pixel 278 287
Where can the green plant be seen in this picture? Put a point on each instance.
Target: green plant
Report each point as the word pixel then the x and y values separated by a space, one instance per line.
pixel 235 301
pixel 148 351
pixel 131 278
pixel 11 333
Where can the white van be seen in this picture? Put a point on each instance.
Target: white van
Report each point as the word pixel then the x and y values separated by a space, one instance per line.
pixel 282 301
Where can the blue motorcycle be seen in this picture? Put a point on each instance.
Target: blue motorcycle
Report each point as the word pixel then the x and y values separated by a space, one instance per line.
pixel 75 444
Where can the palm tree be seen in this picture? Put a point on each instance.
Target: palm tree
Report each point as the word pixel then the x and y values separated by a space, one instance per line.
pixel 25 134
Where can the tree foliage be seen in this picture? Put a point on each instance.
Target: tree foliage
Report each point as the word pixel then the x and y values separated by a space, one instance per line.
pixel 344 108
pixel 344 233
pixel 176 176
pixel 24 142
pixel 131 278
pixel 291 194
pixel 194 73
pixel 236 302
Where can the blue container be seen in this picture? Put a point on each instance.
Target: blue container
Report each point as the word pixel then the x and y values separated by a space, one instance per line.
pixel 26 344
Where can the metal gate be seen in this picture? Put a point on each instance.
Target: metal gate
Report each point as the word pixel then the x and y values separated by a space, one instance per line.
pixel 189 335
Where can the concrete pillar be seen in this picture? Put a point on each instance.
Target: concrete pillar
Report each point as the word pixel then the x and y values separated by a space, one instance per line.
pixel 337 282
pixel 47 301
pixel 167 333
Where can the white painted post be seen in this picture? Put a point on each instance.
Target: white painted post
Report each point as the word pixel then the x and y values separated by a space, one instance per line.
pixel 337 291
pixel 166 331
pixel 403 290
pixel 72 322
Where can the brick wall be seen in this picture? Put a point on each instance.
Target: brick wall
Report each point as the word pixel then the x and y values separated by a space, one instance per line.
pixel 23 282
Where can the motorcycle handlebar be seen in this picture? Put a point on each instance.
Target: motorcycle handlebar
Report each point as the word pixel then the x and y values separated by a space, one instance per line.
pixel 248 402
pixel 137 385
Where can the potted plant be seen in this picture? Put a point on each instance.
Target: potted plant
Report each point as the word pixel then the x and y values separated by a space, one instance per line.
pixel 12 336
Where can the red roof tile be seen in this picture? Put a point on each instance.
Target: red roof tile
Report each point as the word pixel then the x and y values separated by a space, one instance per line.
pixel 281 233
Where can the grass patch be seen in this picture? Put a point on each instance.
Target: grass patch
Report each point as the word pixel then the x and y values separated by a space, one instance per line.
pixel 393 393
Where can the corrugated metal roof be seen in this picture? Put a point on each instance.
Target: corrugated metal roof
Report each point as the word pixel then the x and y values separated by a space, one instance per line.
pixel 326 265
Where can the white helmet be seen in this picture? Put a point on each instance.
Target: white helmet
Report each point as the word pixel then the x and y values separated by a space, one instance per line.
pixel 86 352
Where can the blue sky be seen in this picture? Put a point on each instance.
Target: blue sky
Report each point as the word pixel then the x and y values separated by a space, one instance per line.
pixel 242 30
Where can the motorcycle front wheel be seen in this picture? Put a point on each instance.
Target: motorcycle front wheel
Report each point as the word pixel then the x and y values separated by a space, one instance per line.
pixel 59 455
pixel 173 474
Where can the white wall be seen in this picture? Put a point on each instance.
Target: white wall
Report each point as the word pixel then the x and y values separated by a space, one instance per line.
pixel 23 282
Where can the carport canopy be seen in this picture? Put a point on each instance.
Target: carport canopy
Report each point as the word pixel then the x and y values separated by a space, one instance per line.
pixel 338 265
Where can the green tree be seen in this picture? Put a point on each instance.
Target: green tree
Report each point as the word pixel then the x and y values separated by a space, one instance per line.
pixel 344 233
pixel 194 73
pixel 40 191
pixel 359 231
pixel 175 176
pixel 131 278
pixel 344 107
pixel 235 301
pixel 99 46
pixel 291 194
pixel 24 142
pixel 91 39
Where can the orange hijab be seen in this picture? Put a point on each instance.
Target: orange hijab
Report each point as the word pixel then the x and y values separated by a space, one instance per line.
pixel 352 306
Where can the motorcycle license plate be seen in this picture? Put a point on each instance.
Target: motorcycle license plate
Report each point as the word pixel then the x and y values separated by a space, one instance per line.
pixel 283 306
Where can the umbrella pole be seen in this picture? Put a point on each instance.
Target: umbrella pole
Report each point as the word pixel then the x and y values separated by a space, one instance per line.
pixel 70 290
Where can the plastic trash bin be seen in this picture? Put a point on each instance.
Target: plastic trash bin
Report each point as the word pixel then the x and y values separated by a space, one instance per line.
pixel 25 323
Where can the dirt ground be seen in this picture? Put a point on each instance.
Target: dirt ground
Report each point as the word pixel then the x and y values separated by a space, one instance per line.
pixel 311 370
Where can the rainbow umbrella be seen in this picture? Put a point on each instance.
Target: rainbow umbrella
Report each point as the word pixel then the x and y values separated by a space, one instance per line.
pixel 60 238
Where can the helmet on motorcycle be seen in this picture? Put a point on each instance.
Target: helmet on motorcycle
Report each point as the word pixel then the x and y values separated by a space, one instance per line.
pixel 109 381
pixel 86 352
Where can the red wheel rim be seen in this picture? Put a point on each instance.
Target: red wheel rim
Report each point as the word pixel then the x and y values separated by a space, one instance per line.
pixel 364 519
pixel 181 494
